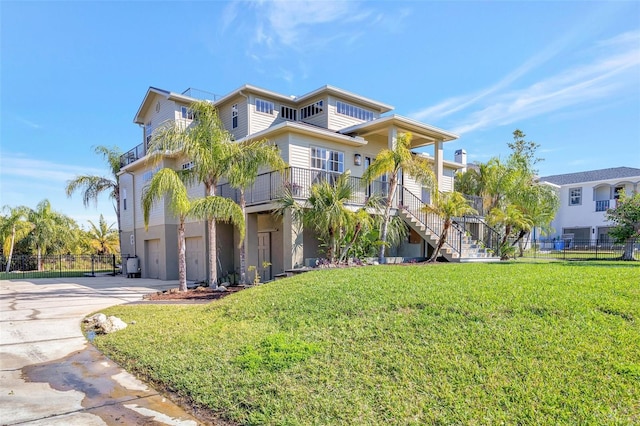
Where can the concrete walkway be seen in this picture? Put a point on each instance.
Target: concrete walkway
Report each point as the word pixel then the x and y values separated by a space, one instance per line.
pixel 50 375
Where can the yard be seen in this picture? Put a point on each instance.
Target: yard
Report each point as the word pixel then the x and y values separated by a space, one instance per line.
pixel 514 343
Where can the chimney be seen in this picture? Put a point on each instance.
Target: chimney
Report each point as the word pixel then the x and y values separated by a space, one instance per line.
pixel 461 157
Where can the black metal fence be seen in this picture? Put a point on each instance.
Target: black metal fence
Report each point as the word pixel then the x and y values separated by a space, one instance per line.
pixel 572 249
pixel 61 265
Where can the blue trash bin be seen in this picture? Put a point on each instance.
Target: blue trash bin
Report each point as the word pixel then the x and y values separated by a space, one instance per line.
pixel 558 245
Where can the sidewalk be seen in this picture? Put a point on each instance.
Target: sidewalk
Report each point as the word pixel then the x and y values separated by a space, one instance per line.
pixel 50 375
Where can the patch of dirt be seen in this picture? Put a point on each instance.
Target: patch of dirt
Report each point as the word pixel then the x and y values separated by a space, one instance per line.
pixel 192 294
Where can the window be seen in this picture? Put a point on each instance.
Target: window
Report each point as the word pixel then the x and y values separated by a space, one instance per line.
pixel 575 196
pixel 147 132
pixel 353 111
pixel 311 110
pixel 234 116
pixel 264 106
pixel 327 160
pixel 124 198
pixel 616 192
pixel 187 113
pixel 288 113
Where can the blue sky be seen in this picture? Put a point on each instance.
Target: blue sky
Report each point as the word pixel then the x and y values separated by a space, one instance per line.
pixel 73 75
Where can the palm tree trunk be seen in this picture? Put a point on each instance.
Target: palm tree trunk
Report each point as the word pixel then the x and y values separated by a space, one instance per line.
pixel 13 238
pixel 182 258
pixel 345 252
pixel 441 240
pixel 330 245
pixel 243 255
pixel 39 259
pixel 393 183
pixel 628 250
pixel 210 189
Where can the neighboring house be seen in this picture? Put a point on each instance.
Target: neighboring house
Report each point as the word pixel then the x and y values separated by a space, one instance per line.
pixel 585 198
pixel 320 134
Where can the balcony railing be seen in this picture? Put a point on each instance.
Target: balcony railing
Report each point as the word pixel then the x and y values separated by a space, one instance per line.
pixel 132 155
pixel 604 205
pixel 271 186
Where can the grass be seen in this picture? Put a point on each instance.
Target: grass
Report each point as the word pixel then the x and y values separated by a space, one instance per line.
pixel 516 343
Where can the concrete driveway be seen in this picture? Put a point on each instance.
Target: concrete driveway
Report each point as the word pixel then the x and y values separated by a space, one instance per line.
pixel 50 375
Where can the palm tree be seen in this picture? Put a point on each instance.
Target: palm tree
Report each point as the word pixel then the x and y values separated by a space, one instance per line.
pixel 50 229
pixel 539 204
pixel 324 211
pixel 207 144
pixel 103 238
pixel 389 163
pixel 13 227
pixel 510 218
pixel 447 205
pixel 247 159
pixel 167 182
pixel 94 186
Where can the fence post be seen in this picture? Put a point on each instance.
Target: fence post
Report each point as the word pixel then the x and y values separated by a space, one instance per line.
pixel 596 248
pixel 60 264
pixel 113 263
pixel 93 273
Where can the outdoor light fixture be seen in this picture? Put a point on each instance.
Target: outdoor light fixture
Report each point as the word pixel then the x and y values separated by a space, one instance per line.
pixel 357 160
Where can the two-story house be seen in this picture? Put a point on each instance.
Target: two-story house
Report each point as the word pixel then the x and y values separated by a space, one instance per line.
pixel 584 199
pixel 319 134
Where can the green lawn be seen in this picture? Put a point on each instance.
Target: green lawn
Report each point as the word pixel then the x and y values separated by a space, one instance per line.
pixel 512 343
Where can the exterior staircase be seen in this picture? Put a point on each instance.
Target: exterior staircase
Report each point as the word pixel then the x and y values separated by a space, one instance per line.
pixel 459 247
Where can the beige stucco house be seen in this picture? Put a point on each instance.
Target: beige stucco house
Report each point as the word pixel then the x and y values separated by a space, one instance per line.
pixel 321 133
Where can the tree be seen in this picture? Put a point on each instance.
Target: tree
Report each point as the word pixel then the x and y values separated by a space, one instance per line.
pixel 626 216
pixel 167 182
pixel 447 205
pixel 523 153
pixel 539 204
pixel 247 159
pixel 94 186
pixel 389 162
pixel 207 144
pixel 13 227
pixel 50 229
pixel 103 238
pixel 510 218
pixel 324 211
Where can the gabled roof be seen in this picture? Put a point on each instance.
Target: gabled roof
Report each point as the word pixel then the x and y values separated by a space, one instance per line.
pixel 154 91
pixel 593 175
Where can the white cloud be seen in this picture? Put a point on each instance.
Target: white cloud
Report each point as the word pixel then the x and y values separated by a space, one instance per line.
pixel 28 123
pixel 12 165
pixel 611 71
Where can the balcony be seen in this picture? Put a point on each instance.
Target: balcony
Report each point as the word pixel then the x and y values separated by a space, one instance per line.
pixel 604 205
pixel 132 155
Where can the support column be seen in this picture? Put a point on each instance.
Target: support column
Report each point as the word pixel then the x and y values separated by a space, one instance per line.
pixel 251 242
pixel 392 137
pixel 437 163
pixel 292 242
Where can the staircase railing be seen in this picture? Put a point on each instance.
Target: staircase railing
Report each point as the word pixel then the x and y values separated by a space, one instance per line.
pixel 433 222
pixel 479 230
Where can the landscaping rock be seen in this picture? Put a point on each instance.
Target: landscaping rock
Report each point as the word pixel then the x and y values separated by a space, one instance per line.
pixel 221 288
pixel 103 324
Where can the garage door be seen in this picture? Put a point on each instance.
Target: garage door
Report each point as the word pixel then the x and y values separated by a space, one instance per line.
pixel 195 259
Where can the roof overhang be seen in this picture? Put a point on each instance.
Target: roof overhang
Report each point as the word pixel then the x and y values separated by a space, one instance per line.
pixel 423 134
pixel 304 129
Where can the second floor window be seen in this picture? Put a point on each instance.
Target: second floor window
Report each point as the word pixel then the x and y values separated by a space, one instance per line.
pixel 353 111
pixel 311 110
pixel 187 113
pixel 288 113
pixel 575 196
pixel 234 116
pixel 264 106
pixel 327 160
pixel 147 132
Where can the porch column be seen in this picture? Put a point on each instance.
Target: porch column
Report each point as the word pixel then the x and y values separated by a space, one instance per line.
pixel 292 246
pixel 392 137
pixel 437 163
pixel 251 242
